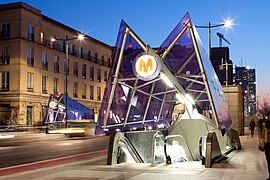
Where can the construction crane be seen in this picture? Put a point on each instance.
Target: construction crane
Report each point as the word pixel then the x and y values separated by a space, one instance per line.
pixel 221 37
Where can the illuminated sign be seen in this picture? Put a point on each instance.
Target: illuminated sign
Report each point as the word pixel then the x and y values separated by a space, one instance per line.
pixel 146 67
pixel 52 104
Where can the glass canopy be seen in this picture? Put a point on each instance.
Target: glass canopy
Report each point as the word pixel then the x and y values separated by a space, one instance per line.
pixel 130 103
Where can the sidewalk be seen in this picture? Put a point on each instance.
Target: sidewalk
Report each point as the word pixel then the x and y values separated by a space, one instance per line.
pixel 246 164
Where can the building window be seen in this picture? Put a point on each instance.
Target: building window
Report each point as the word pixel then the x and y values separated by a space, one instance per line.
pixel 30 33
pixel 91 92
pixel 44 61
pixel 55 86
pixel 72 49
pixel 62 46
pixel 30 59
pixel 84 71
pixel 44 84
pixel 5 30
pixel 98 93
pixel 56 64
pixel 80 52
pixel 95 57
pixel 4 77
pixel 109 62
pixel 105 76
pixel 4 55
pixel 92 72
pixel 30 82
pixel 75 90
pixel 88 55
pixel 84 91
pixel 42 38
pixel 99 75
pixel 75 69
pixel 102 60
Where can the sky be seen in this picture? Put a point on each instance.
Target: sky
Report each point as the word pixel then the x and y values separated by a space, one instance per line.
pixel 153 20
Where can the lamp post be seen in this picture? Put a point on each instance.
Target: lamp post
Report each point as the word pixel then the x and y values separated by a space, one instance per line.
pixel 227 24
pixel 79 37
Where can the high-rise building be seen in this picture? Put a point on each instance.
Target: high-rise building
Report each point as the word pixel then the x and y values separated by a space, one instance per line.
pixel 32 66
pixel 220 58
pixel 245 77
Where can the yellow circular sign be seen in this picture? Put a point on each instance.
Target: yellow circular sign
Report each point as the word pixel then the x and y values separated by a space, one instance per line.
pixel 146 66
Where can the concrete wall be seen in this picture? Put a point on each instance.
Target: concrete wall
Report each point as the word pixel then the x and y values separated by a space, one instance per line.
pixel 233 96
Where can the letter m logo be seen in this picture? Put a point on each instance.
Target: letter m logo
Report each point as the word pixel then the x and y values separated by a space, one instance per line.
pixel 146 66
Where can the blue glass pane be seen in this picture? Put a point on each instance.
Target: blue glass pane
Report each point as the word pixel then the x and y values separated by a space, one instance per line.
pixel 76 110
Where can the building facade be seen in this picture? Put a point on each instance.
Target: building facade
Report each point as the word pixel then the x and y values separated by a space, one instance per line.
pixel 245 77
pixel 32 66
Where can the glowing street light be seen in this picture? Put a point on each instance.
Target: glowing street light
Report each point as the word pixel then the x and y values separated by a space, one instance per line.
pixel 79 37
pixel 226 24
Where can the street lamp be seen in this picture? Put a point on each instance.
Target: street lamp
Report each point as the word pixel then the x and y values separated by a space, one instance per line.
pixel 79 37
pixel 226 23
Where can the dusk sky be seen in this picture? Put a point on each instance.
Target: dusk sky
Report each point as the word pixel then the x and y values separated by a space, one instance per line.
pixel 153 20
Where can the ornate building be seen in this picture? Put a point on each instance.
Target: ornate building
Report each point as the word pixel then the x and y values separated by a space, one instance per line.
pixel 32 66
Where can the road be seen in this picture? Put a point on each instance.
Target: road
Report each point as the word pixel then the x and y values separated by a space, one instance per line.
pixel 27 148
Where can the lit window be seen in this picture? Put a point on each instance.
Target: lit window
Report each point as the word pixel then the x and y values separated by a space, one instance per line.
pixel 30 82
pixel 75 90
pixel 44 84
pixel 98 93
pixel 4 78
pixel 91 92
pixel 84 91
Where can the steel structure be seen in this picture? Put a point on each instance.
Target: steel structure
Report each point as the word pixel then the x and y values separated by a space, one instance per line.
pixel 130 103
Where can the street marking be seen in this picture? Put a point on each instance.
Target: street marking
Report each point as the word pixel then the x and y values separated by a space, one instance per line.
pixel 51 162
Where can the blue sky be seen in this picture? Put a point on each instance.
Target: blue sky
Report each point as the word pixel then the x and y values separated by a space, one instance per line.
pixel 153 20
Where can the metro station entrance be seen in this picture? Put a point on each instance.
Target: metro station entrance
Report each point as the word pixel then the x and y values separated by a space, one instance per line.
pixel 144 88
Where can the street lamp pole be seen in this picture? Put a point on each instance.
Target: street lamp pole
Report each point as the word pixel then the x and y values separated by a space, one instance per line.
pixel 227 23
pixel 79 37
pixel 66 82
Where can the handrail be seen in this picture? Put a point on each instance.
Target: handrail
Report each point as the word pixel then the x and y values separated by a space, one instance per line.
pixel 124 142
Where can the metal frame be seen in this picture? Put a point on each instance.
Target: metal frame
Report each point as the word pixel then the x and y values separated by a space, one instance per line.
pixel 178 87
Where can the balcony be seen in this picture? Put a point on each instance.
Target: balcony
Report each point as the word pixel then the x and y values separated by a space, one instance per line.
pixel 44 91
pixel 84 75
pixel 55 92
pixel 45 66
pixel 31 36
pixel 86 56
pixel 5 34
pixel 56 68
pixel 30 62
pixel 4 60
pixel 6 88
pixel 30 89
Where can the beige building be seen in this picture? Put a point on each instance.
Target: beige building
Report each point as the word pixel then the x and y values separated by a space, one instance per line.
pixel 32 66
